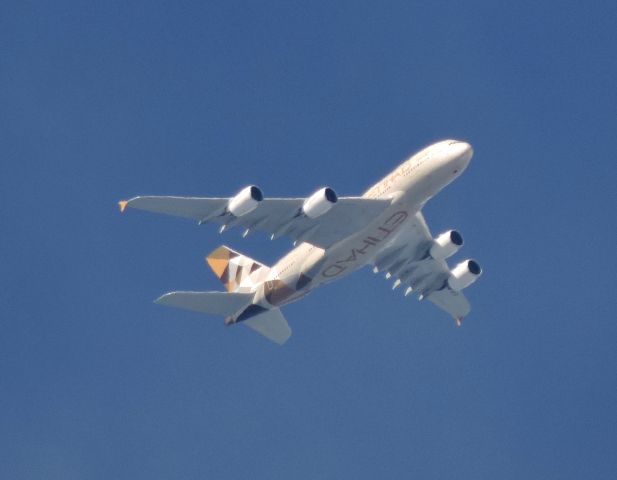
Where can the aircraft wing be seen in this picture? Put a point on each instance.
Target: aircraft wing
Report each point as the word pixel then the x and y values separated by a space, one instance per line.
pixel 407 262
pixel 276 216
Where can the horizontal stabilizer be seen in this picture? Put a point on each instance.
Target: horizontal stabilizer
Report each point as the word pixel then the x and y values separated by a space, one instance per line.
pixel 215 303
pixel 271 324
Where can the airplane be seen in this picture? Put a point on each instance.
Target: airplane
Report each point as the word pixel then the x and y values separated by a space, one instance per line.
pixel 333 236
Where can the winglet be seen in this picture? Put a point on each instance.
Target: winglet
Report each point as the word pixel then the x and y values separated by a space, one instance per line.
pixel 459 321
pixel 122 204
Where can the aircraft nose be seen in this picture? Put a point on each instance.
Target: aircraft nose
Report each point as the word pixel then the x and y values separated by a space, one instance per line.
pixel 462 153
pixel 462 150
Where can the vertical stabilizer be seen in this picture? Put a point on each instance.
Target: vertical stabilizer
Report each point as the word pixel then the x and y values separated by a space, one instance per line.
pixel 237 272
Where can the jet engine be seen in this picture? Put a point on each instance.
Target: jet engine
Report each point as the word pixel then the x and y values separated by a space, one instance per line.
pixel 319 203
pixel 245 201
pixel 464 274
pixel 446 245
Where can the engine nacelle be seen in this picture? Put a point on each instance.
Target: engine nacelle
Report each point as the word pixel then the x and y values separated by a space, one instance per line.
pixel 319 203
pixel 446 245
pixel 245 201
pixel 464 274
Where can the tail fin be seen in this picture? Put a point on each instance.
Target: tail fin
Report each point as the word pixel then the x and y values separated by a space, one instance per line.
pixel 237 272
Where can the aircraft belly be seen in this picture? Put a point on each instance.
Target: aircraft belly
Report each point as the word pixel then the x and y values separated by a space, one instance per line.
pixel 358 250
pixel 316 266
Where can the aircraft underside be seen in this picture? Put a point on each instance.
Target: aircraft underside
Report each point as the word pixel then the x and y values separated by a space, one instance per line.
pixel 333 236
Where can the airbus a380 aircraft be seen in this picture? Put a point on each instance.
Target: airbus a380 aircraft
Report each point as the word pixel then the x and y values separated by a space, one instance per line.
pixel 333 236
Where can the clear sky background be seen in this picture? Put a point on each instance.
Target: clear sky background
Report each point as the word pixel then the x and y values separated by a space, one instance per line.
pixel 101 101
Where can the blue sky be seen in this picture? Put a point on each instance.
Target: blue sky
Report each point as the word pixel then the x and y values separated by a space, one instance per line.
pixel 105 100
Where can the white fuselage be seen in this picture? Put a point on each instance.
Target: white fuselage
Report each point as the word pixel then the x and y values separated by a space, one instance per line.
pixel 409 187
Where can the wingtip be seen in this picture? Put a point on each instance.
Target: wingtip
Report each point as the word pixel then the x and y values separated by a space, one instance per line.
pixel 459 321
pixel 162 298
pixel 122 204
